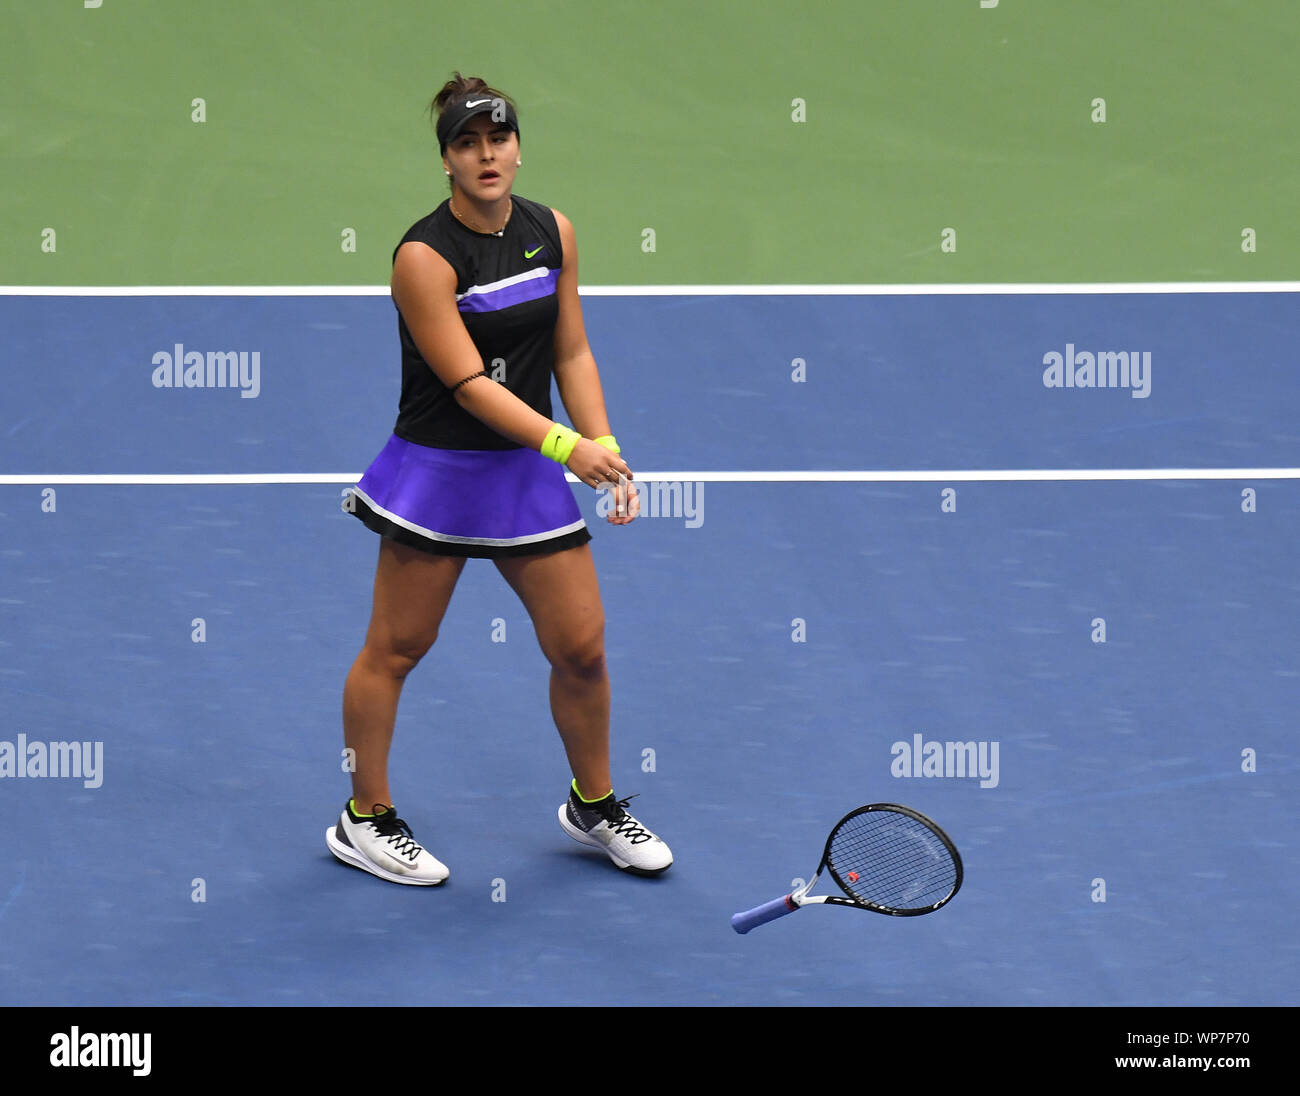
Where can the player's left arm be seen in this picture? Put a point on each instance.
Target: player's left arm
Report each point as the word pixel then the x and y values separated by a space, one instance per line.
pixel 576 374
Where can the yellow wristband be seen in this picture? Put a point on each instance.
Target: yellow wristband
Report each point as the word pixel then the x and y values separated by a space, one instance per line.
pixel 559 443
pixel 607 440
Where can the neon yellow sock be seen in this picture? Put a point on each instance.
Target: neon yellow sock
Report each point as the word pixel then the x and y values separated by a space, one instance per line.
pixel 352 806
pixel 584 799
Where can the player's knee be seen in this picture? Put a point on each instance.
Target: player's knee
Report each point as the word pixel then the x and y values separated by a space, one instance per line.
pixel 399 656
pixel 582 656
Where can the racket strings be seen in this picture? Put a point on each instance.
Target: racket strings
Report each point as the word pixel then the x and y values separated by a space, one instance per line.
pixel 892 860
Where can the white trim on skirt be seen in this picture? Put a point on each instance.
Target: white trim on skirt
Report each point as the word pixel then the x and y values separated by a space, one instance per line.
pixel 448 538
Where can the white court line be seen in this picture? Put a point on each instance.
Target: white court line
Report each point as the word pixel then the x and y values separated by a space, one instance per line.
pixel 993 288
pixel 1013 475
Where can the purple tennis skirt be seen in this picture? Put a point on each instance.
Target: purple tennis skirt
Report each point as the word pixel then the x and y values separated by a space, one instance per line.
pixel 469 502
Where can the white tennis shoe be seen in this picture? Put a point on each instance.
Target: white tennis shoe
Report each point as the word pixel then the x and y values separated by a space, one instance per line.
pixel 606 825
pixel 384 846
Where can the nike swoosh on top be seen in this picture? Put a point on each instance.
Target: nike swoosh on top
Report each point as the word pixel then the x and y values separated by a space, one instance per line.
pixel 530 254
pixel 476 102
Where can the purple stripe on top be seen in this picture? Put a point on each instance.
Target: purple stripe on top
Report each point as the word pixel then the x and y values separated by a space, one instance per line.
pixel 493 300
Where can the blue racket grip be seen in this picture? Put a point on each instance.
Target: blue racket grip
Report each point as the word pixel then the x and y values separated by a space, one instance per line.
pixel 761 915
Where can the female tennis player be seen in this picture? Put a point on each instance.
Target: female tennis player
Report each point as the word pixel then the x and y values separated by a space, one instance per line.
pixel 486 289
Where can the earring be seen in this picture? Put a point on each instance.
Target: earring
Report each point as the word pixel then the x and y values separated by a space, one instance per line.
pixel 519 163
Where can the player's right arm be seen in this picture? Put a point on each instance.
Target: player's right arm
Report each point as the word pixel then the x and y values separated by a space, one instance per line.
pixel 424 290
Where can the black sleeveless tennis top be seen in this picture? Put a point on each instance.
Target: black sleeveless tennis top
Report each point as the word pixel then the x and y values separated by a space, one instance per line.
pixel 505 291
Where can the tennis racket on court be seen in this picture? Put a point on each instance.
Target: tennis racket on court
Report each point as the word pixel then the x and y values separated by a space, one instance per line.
pixel 886 858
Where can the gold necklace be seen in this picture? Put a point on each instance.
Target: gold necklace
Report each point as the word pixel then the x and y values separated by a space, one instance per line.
pixel 509 210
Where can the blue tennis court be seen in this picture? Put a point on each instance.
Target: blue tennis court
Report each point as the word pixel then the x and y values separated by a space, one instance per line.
pixel 1121 653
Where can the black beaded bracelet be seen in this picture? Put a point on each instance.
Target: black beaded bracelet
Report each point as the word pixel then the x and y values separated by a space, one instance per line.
pixel 466 380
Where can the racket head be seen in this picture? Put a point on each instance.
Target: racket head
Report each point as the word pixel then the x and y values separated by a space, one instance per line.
pixel 894 860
